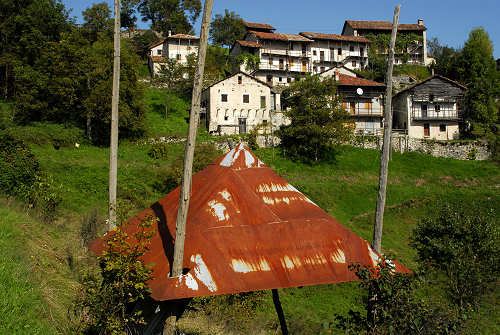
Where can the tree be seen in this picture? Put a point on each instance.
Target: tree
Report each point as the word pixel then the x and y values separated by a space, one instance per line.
pixel 97 20
pixel 142 42
pixel 170 74
pixel 177 16
pixel 127 13
pixel 477 70
pixel 446 59
pixel 318 121
pixel 225 30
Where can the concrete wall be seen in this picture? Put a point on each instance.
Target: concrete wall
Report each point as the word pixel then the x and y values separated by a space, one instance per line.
pixel 174 47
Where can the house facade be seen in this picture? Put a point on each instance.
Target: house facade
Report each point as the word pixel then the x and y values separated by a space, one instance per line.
pixel 417 53
pixel 330 50
pixel 238 103
pixel 283 57
pixel 178 47
pixel 363 99
pixel 429 109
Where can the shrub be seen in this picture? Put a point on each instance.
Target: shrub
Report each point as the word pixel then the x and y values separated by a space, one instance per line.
pixel 171 175
pixel 48 133
pixel 158 150
pixel 463 241
pixel 392 306
pixel 109 301
pixel 44 196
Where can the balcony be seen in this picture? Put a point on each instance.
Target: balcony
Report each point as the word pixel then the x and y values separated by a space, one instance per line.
pixel 363 111
pixel 284 52
pixel 434 115
pixel 297 67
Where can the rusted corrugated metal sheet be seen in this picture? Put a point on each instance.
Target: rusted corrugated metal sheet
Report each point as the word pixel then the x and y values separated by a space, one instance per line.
pixel 248 229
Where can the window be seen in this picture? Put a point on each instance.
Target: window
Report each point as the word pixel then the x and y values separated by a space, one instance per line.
pixel 270 60
pixel 322 55
pixel 291 62
pixel 442 127
pixel 289 80
pixel 353 63
pixel 178 57
pixel 246 98
pixel 339 51
pixel 361 51
pixel 437 108
pixel 226 117
pixel 262 101
pixel 396 61
pixel 264 121
pixel 240 79
pixel 158 52
pixel 322 69
pixel 351 48
pixel 269 78
pixel 314 52
pixel 280 79
pixel 282 64
pixel 223 97
pixel 424 110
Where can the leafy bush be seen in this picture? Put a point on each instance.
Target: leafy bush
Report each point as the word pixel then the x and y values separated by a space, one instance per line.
pixel 108 302
pixel 463 241
pixel 170 176
pixel 43 195
pixel 393 307
pixel 48 133
pixel 158 150
pixel 18 166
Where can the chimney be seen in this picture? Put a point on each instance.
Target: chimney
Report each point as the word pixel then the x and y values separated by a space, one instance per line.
pixel 432 71
pixel 169 33
pixel 420 22
pixel 337 77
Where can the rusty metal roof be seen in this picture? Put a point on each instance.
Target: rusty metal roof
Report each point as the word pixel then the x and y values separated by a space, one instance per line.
pixel 334 37
pixel 247 230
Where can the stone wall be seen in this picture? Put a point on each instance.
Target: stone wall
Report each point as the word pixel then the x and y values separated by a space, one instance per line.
pixel 464 150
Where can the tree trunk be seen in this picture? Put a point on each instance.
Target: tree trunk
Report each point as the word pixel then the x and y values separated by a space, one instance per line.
pixel 113 148
pixel 386 147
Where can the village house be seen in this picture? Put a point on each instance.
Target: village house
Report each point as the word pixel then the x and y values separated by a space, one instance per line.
pixel 363 99
pixel 178 47
pixel 417 54
pixel 331 50
pixel 429 108
pixel 283 57
pixel 238 103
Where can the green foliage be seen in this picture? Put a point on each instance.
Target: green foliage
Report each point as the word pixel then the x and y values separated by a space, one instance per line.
pixel 97 19
pixel 225 30
pixel 251 62
pixel 318 121
pixel 177 16
pixel 58 135
pixel 44 195
pixel 463 241
pixel 392 306
pixel 158 150
pixel 217 65
pixel 142 42
pixel 6 115
pixel 109 301
pixel 170 176
pixel 446 59
pixel 18 166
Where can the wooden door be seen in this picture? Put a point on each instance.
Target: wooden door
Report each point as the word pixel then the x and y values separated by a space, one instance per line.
pixel 242 124
pixel 352 108
pixel 304 66
pixel 426 129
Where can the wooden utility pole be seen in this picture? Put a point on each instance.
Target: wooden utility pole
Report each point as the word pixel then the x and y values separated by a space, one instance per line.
pixel 180 225
pixel 113 147
pixel 279 311
pixel 386 147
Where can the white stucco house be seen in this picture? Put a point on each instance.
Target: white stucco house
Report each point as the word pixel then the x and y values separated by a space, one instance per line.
pixel 238 103
pixel 429 108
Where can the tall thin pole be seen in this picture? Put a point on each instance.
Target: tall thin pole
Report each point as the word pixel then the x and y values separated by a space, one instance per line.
pixel 113 147
pixel 180 230
pixel 386 147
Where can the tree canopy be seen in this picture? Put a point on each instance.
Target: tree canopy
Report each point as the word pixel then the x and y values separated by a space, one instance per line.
pixel 225 30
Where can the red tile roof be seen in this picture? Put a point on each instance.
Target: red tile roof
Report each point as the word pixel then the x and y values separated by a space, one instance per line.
pixel 257 25
pixel 279 37
pixel 334 37
pixel 249 44
pixel 383 25
pixel 345 80
pixel 247 230
pixel 429 78
pixel 184 37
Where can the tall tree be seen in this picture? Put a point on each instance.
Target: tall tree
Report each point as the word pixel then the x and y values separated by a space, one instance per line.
pixel 127 13
pixel 97 19
pixel 177 16
pixel 477 69
pixel 225 30
pixel 446 59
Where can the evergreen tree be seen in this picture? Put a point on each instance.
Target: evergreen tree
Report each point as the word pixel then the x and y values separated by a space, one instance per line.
pixel 225 30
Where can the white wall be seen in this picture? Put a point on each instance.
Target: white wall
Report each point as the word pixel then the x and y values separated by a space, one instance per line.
pixel 182 47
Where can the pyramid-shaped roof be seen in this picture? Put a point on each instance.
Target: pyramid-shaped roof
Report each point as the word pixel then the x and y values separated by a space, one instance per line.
pixel 247 230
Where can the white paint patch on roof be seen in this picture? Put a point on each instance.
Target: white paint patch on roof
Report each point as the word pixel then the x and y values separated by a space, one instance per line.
pixel 187 280
pixel 218 210
pixel 316 260
pixel 242 266
pixel 338 257
pixel 375 258
pixel 291 262
pixel 249 160
pixel 225 194
pixel 228 159
pixel 202 273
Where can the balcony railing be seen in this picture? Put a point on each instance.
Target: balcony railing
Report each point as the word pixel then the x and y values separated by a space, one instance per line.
pixel 359 111
pixel 284 52
pixel 285 67
pixel 433 115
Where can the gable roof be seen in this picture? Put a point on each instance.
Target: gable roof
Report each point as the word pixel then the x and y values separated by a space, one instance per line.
pixel 156 44
pixel 249 44
pixel 381 25
pixel 239 73
pixel 258 25
pixel 183 37
pixel 345 80
pixel 334 37
pixel 430 78
pixel 247 229
pixel 279 37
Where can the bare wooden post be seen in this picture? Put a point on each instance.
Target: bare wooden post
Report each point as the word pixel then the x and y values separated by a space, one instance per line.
pixel 279 311
pixel 180 228
pixel 113 147
pixel 386 148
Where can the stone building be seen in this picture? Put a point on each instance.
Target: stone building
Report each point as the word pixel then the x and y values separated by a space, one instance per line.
pixel 238 103
pixel 429 108
pixel 177 47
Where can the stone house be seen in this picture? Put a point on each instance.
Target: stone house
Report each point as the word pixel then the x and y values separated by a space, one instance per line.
pixel 238 103
pixel 177 47
pixel 363 99
pixel 429 108
pixel 283 57
pixel 417 53
pixel 331 50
